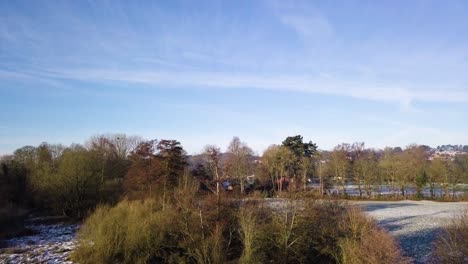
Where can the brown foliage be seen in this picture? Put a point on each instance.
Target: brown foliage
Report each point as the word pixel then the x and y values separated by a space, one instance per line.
pixel 145 171
pixel 155 166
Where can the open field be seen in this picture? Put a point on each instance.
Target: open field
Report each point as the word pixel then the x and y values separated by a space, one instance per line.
pixel 414 223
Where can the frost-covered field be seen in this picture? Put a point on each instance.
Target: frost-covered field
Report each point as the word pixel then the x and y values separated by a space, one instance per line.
pixel 414 223
pixel 52 243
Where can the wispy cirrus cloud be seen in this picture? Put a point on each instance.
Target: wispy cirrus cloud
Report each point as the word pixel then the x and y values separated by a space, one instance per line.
pixel 154 61
pixel 302 47
pixel 402 94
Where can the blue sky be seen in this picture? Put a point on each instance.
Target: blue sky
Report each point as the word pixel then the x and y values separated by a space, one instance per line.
pixel 383 72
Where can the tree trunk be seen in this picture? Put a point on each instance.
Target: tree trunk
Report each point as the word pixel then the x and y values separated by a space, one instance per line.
pixel 321 179
pixel 164 193
pixel 304 182
pixel 241 186
pixel 446 186
pixel 281 181
pixel 321 186
pixel 217 194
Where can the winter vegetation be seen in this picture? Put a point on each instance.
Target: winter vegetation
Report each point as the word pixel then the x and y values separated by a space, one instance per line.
pixel 452 245
pixel 303 84
pixel 147 201
pixel 188 230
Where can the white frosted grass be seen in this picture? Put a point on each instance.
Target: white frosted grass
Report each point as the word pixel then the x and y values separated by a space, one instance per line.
pixel 51 244
pixel 414 223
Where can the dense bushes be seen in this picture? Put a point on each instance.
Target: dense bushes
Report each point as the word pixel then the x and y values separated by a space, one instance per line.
pixel 145 232
pixel 189 230
pixel 74 188
pixel 73 180
pixel 60 180
pixel 452 245
pixel 71 184
pixel 130 232
pixel 325 232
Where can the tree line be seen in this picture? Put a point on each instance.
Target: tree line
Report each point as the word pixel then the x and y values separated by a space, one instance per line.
pixel 72 180
pixel 371 171
pixel 396 168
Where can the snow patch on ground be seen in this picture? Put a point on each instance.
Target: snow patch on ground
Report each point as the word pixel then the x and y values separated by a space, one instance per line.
pixel 414 223
pixel 52 243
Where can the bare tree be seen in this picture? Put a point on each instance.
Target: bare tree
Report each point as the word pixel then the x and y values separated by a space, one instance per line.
pixel 211 156
pixel 339 164
pixel 124 144
pixel 268 161
pixel 238 163
pixel 120 144
pixel 459 171
pixel 438 172
pixel 277 160
pixel 285 159
pixel 320 170
pixel 357 163
pixel 306 164
pixel 365 171
pixel 388 166
pixel 410 164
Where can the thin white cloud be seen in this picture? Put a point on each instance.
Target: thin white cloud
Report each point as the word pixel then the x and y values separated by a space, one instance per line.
pixel 28 77
pixel 402 94
pixel 367 90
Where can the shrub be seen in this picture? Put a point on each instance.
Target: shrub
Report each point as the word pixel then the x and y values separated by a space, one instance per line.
pixel 248 231
pixel 189 229
pixel 366 243
pixel 183 229
pixel 131 232
pixel 452 244
pixel 311 231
